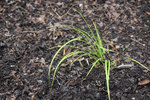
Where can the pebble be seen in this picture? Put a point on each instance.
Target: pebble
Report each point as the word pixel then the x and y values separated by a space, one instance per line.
pixel 97 95
pixel 117 46
pixel 131 36
pixel 12 66
pixel 39 81
pixel 42 60
pixel 60 3
pixel 80 5
pixel 133 98
pixel 40 70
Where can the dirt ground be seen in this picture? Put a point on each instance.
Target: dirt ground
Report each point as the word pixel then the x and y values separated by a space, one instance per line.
pixel 25 53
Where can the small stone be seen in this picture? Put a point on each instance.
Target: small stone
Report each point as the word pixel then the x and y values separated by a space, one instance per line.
pixel 42 60
pixel 39 81
pixel 25 74
pixel 101 24
pixel 60 3
pixel 97 95
pixel 80 5
pixel 131 36
pixel 12 66
pixel 133 98
pixel 40 70
pixel 117 46
pixel 133 28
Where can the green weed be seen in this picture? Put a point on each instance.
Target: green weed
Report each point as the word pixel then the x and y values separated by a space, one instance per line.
pixel 95 51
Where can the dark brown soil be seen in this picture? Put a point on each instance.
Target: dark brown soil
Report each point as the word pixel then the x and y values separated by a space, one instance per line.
pixel 25 55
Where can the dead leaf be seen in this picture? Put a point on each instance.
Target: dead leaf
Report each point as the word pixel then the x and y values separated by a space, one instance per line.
pixel 94 2
pixel 144 82
pixel 61 33
pixel 147 12
pixel 113 46
pixel 134 19
pixel 34 35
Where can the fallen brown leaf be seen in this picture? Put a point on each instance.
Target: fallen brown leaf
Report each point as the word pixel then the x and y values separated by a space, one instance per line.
pixel 147 12
pixel 144 82
pixel 34 35
pixel 134 19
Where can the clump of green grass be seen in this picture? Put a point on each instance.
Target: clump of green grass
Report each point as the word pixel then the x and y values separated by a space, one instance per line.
pixel 95 51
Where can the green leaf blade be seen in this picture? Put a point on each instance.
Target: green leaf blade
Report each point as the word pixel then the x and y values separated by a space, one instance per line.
pixel 75 39
pixel 65 57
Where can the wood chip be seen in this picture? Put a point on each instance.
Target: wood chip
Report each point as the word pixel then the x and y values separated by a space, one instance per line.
pixel 34 35
pixel 134 19
pixel 144 82
pixel 147 12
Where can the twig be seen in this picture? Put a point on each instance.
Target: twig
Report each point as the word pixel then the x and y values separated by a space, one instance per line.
pixel 125 66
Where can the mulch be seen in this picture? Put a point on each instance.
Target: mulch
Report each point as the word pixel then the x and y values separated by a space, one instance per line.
pixel 25 54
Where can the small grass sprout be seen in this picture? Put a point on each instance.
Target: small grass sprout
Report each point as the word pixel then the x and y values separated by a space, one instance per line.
pixel 95 51
pixel 107 73
pixel 138 63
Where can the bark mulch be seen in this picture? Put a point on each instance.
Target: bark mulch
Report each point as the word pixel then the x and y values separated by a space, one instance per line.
pixel 25 53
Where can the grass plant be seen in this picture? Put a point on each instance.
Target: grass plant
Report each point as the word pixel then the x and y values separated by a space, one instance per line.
pixel 95 51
